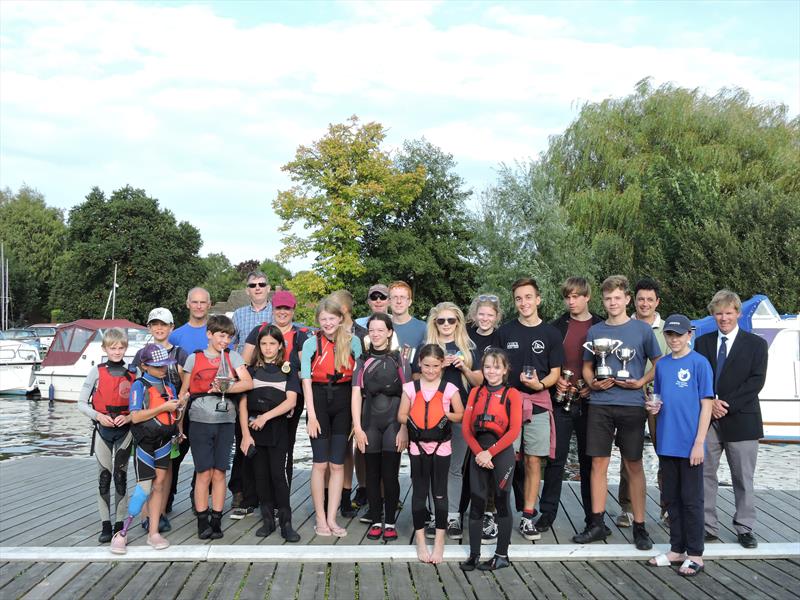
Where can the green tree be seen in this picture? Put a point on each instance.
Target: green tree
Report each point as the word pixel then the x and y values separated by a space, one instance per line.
pixel 221 277
pixel 276 273
pixel 308 287
pixel 246 266
pixel 342 181
pixel 157 257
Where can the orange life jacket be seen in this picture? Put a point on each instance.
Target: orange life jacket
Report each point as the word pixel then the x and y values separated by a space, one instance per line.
pixel 493 416
pixel 155 399
pixel 323 363
pixel 288 338
pixel 427 419
pixel 204 371
pixel 112 392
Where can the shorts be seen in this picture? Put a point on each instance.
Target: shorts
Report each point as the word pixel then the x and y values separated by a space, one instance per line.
pixel 333 410
pixel 211 445
pixel 152 452
pixel 625 424
pixel 535 435
pixel 382 440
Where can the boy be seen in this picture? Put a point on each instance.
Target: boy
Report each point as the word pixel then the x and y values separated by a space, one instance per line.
pixel 684 381
pixel 153 402
pixel 104 399
pixel 212 431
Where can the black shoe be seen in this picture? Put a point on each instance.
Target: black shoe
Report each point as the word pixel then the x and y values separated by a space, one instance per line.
pixel 347 511
pixel 105 534
pixel 430 530
pixel 641 538
pixel 470 564
pixel 238 500
pixel 216 524
pixel 710 537
pixel 592 533
pixel 267 528
pixel 164 525
pixel 747 540
pixel 496 562
pixel 544 522
pixel 360 499
pixel 289 534
pixel 203 526
pixel 606 529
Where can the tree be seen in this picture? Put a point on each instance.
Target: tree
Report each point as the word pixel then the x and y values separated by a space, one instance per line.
pixel 221 277
pixel 157 257
pixel 246 266
pixel 343 181
pixel 276 273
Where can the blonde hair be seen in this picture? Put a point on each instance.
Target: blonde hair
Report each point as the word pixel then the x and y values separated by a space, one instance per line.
pixel 341 337
pixel 115 335
pixel 490 300
pixel 460 335
pixel 725 298
pixel 616 282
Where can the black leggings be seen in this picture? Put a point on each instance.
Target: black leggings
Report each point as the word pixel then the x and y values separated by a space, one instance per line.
pixel 269 470
pixel 429 473
pixel 332 407
pixel 480 482
pixel 383 467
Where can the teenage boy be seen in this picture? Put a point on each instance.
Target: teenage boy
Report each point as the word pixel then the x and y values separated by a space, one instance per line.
pixel 616 410
pixel 211 434
pixel 191 336
pixel 535 354
pixel 410 330
pixel 684 381
pixel 573 326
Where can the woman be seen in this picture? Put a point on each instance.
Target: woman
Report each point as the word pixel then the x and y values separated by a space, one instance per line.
pixel 377 387
pixel 483 317
pixel 447 329
pixel 327 371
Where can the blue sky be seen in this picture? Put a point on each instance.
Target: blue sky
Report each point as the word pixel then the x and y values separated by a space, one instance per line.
pixel 201 103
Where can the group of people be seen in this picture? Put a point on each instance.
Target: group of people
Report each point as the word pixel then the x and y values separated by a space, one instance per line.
pixel 481 407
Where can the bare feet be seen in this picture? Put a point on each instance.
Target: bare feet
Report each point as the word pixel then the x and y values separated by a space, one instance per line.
pixel 422 546
pixel 437 556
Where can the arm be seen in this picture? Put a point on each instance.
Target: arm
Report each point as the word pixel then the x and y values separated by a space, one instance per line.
pixel 636 384
pixel 313 424
pixel 514 427
pixel 85 400
pixel 456 413
pixel 698 450
pixel 405 408
pixel 746 392
pixel 589 377
pixel 355 407
pixel 139 415
pixel 245 382
pixel 467 423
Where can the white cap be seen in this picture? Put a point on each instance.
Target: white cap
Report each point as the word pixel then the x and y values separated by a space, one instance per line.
pixel 160 314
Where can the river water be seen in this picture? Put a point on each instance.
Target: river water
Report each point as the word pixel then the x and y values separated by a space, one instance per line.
pixel 30 426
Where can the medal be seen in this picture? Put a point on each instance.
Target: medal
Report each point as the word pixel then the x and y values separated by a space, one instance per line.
pixel 285 367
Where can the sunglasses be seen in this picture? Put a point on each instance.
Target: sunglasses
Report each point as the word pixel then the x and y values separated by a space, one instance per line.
pixel 378 296
pixel 284 308
pixel 448 320
pixel 488 298
pixel 261 284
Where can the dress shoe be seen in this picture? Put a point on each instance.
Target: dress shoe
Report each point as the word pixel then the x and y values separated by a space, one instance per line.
pixel 748 540
pixel 710 537
pixel 592 533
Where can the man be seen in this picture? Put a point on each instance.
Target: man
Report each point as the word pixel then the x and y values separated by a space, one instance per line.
pixel 535 354
pixel 410 330
pixel 573 326
pixel 377 300
pixel 646 299
pixel 191 336
pixel 616 409
pixel 259 311
pixel 739 362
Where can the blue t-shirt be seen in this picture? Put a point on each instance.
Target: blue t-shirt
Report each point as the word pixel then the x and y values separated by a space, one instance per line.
pixel 683 383
pixel 411 334
pixel 633 334
pixel 191 339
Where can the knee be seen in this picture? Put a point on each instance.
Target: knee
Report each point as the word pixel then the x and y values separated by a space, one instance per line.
pixel 477 506
pixel 121 482
pixel 634 467
pixel 337 469
pixel 532 462
pixel 217 476
pixel 104 481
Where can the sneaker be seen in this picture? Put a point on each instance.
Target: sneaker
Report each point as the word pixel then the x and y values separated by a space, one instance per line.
pixel 118 525
pixel 528 529
pixel 375 532
pixel 240 513
pixel 365 518
pixel 544 523
pixel 164 525
pixel 494 563
pixel 624 519
pixel 118 544
pixel 430 530
pixel 454 531
pixel 360 499
pixel 389 533
pixel 592 533
pixel 347 511
pixel 641 538
pixel 157 541
pixel 105 534
pixel 489 533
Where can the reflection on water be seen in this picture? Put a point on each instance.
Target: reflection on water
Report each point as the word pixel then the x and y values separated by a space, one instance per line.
pixel 31 426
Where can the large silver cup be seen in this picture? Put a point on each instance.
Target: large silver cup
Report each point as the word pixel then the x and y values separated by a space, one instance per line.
pixel 224 384
pixel 601 348
pixel 625 355
pixel 566 375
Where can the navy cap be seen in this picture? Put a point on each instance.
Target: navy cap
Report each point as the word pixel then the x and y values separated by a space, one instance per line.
pixel 155 356
pixel 679 324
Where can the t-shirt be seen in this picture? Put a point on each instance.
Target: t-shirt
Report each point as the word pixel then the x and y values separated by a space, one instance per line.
pixel 633 334
pixel 683 383
pixel 573 346
pixel 267 379
pixel 189 338
pixel 176 352
pixel 482 342
pixel 450 373
pixel 310 348
pixel 204 408
pixel 137 398
pixel 445 448
pixel 411 334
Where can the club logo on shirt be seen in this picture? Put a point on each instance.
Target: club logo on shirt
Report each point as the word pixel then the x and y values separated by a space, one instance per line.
pixel 684 375
pixel 512 346
pixel 537 346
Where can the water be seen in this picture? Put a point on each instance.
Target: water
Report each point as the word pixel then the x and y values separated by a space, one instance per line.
pixel 30 426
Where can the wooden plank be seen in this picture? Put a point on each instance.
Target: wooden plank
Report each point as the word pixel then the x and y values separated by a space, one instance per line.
pixel 285 581
pixel 114 581
pixel 454 581
pixel 229 581
pixel 537 581
pixel 736 585
pixel 779 577
pixel 370 581
pixel 483 583
pixel 199 581
pixel 343 581
pixel 52 584
pixel 145 580
pixel 741 569
pixel 257 582
pixel 592 581
pixel 565 581
pixel 313 582
pixel 790 568
pixel 644 577
pixel 27 579
pixel 398 581
pixel 169 586
pixel 10 570
pixel 511 583
pixel 426 581
pixel 620 578
pixel 93 574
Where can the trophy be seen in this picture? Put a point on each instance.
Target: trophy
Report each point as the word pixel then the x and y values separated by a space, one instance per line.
pixel 625 355
pixel 574 394
pixel 224 381
pixel 601 348
pixel 566 375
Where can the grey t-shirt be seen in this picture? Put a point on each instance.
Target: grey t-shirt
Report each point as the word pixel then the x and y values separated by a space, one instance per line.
pixel 633 334
pixel 204 408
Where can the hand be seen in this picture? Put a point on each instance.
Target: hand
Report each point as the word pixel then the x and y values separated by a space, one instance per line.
pixel 105 420
pixel 697 455
pixel 630 384
pixel 169 406
pixel 401 441
pixel 448 359
pixel 531 382
pixel 602 384
pixel 360 436
pixel 652 408
pixel 484 459
pixel 181 436
pixel 458 363
pixel 720 409
pixel 121 420
pixel 258 423
pixel 247 441
pixel 313 427
pixel 561 385
pixel 584 392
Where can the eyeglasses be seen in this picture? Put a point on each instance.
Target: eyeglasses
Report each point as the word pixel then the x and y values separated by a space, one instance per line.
pixel 261 284
pixel 283 308
pixel 448 320
pixel 378 296
pixel 488 298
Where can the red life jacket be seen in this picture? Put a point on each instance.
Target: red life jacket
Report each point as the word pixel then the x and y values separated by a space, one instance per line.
pixel 288 338
pixel 155 399
pixel 204 371
pixel 427 419
pixel 323 363
pixel 491 415
pixel 112 392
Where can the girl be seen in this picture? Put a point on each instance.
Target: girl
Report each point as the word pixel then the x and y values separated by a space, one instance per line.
pixel 447 329
pixel 265 428
pixel 377 387
pixel 492 421
pixel 428 407
pixel 483 317
pixel 328 358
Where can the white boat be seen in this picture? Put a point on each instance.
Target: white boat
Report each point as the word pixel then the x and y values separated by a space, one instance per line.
pixel 18 362
pixel 76 348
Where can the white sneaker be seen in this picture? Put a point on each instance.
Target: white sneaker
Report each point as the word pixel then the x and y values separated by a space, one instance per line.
pixel 624 519
pixel 528 529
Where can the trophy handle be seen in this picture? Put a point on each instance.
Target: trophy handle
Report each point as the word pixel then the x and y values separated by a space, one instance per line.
pixel 633 354
pixel 617 345
pixel 589 346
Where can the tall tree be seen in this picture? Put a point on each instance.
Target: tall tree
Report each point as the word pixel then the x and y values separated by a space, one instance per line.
pixel 221 277
pixel 276 273
pixel 157 257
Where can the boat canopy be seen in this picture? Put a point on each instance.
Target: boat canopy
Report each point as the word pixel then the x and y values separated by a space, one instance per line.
pixel 71 339
pixel 757 307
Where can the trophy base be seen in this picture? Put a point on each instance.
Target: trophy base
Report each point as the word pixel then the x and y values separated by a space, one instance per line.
pixel 601 374
pixel 623 375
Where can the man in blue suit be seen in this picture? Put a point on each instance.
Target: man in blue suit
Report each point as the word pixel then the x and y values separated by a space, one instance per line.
pixel 739 361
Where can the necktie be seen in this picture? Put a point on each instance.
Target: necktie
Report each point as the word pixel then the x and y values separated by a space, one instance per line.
pixel 722 355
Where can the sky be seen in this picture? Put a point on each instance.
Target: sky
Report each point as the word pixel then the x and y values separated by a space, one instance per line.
pixel 200 104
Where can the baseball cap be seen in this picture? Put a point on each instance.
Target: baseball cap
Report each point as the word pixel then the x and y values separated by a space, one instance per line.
pixel 679 324
pixel 284 298
pixel 160 314
pixel 378 287
pixel 155 356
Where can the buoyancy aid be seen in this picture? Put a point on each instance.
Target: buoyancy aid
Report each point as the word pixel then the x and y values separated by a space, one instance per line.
pixel 323 363
pixel 492 411
pixel 263 398
pixel 204 371
pixel 112 392
pixel 154 398
pixel 427 420
pixel 381 381
pixel 288 338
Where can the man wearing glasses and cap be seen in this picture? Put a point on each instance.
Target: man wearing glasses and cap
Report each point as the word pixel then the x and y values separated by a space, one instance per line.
pixel 378 302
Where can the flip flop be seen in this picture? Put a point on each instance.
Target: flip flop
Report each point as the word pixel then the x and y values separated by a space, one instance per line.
pixel 690 564
pixel 339 532
pixel 662 560
pixel 322 531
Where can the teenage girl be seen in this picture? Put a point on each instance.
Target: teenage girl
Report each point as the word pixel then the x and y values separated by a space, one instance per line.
pixel 428 407
pixel 492 421
pixel 483 317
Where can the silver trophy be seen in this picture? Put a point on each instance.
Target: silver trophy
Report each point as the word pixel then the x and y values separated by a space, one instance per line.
pixel 601 348
pixel 224 380
pixel 574 394
pixel 566 375
pixel 625 355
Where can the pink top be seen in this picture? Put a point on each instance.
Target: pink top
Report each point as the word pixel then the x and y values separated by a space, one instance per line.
pixel 428 393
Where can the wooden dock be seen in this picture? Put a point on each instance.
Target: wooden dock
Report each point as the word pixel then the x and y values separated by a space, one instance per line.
pixel 49 549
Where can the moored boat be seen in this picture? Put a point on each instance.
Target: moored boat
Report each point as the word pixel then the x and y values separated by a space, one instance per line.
pixel 18 362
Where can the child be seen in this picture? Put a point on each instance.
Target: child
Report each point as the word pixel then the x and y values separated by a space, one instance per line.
pixel 212 431
pixel 428 407
pixel 265 427
pixel 684 381
pixel 153 402
pixel 104 399
pixel 492 421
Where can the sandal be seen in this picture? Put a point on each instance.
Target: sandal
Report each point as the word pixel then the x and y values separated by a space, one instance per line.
pixel 690 564
pixel 662 560
pixel 322 531
pixel 339 531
